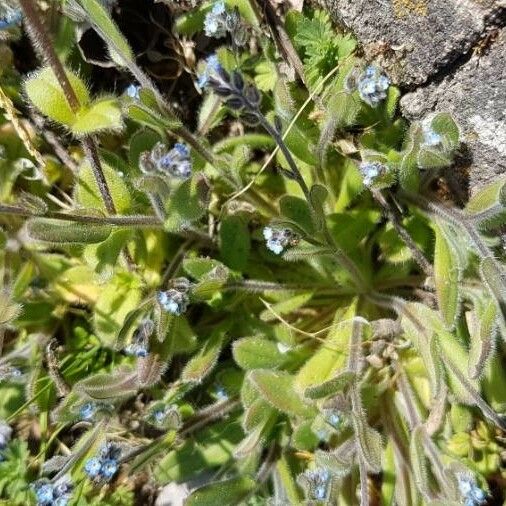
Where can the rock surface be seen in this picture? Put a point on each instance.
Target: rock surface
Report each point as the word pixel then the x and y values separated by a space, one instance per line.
pixel 415 39
pixel 476 95
pixel 451 56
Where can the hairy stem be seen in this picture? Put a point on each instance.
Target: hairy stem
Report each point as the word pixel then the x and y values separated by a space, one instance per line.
pixel 396 220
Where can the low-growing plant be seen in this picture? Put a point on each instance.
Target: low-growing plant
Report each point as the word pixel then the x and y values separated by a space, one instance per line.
pixel 273 299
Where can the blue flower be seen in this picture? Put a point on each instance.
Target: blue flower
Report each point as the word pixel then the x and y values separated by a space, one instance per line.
pixel 92 467
pixel 371 171
pixel 373 86
pixel 159 416
pixel 108 469
pixel 132 91
pixel 221 393
pixel 106 465
pixel 215 21
pixel 9 16
pixel 182 149
pixel 139 346
pixel 277 240
pixel 176 162
pixel 212 68
pixel 44 494
pixel 173 301
pixel 5 434
pixel 318 481
pixel 62 501
pixel 87 411
pixel 470 492
pixel 8 372
pixel 431 138
pixel 332 417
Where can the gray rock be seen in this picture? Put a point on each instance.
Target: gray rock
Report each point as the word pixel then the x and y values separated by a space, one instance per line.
pixel 415 39
pixel 476 95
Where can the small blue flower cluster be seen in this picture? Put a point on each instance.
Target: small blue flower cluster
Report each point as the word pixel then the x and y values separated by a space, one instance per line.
pixel 277 240
pixel 373 86
pixel 5 437
pixel 139 346
pixel 175 161
pixel 318 481
pixel 371 171
pixel 53 494
pixel 332 417
pixel 132 91
pixel 166 417
pixel 88 410
pixel 173 301
pixel 215 22
pixel 212 68
pixel 10 15
pixel 8 372
pixel 471 493
pixel 221 393
pixel 106 465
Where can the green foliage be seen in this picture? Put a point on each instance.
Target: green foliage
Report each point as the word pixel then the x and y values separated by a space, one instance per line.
pixel 277 307
pixel 45 92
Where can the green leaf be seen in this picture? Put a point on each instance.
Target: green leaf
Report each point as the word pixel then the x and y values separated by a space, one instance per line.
pixel 331 355
pixel 228 492
pixel 149 118
pixel 423 337
pixel 142 140
pixel 447 275
pixel 408 173
pixel 266 75
pixel 419 462
pixel 204 361
pixel 318 195
pixel 369 444
pixel 120 296
pixel 119 384
pixel 235 242
pixel 486 197
pixel 209 448
pixel 276 387
pixel 104 114
pixel 286 306
pixel 87 193
pixel 482 325
pixel 62 232
pixel 493 276
pixel 444 124
pixel 433 159
pixel 330 387
pixel 103 257
pixel 107 29
pixel 257 353
pixel 188 203
pixel 299 139
pixel 297 211
pixel 45 92
pixel 199 268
